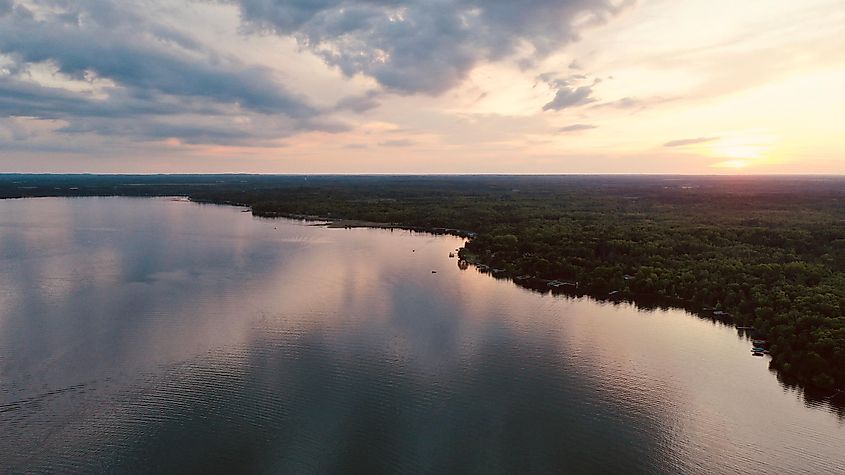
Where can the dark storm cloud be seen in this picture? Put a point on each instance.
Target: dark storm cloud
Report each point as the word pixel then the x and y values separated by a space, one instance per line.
pixel 411 46
pixel 682 142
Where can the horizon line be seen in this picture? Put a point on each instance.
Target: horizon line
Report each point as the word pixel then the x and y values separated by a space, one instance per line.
pixel 389 174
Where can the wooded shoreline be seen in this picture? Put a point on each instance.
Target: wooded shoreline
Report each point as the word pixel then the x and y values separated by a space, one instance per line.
pixel 761 252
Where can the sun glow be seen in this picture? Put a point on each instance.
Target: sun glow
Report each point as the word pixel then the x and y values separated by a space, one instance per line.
pixel 735 164
pixel 740 152
pixel 740 149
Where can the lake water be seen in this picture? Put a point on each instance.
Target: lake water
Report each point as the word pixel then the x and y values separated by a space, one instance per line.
pixel 158 335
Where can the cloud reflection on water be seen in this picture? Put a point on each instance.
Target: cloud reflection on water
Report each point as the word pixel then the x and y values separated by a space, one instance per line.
pixel 196 337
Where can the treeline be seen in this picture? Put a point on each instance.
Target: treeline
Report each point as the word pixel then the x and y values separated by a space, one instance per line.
pixel 761 252
pixel 783 277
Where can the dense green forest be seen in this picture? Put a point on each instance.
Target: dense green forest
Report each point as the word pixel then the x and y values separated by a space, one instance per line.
pixel 761 252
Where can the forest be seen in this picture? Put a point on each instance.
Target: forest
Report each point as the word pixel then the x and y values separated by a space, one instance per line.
pixel 766 253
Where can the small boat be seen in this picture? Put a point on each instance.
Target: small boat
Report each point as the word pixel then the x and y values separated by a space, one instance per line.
pixel 451 254
pixel 757 353
pixel 434 272
pixel 757 349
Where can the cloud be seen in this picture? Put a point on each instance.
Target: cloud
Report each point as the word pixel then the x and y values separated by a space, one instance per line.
pixel 150 118
pixel 624 103
pixel 683 142
pixel 577 127
pixel 570 91
pixel 397 143
pixel 359 104
pixel 636 103
pixel 11 129
pixel 115 69
pixel 570 97
pixel 143 59
pixel 421 46
pixel 24 98
pixel 197 132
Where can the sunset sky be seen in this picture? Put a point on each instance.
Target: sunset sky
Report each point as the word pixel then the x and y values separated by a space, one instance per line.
pixel 423 86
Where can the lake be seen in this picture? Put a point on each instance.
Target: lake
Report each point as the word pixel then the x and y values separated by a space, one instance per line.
pixel 160 335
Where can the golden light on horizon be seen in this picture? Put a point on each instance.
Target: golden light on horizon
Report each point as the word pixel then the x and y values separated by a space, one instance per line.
pixel 741 148
pixel 741 152
pixel 735 164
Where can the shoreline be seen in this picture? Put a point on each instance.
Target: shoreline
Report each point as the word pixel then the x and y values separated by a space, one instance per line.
pixel 539 285
pixel 349 223
pixel 528 243
pixel 640 301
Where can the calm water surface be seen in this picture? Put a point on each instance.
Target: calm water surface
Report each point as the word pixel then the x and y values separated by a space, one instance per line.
pixel 159 335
